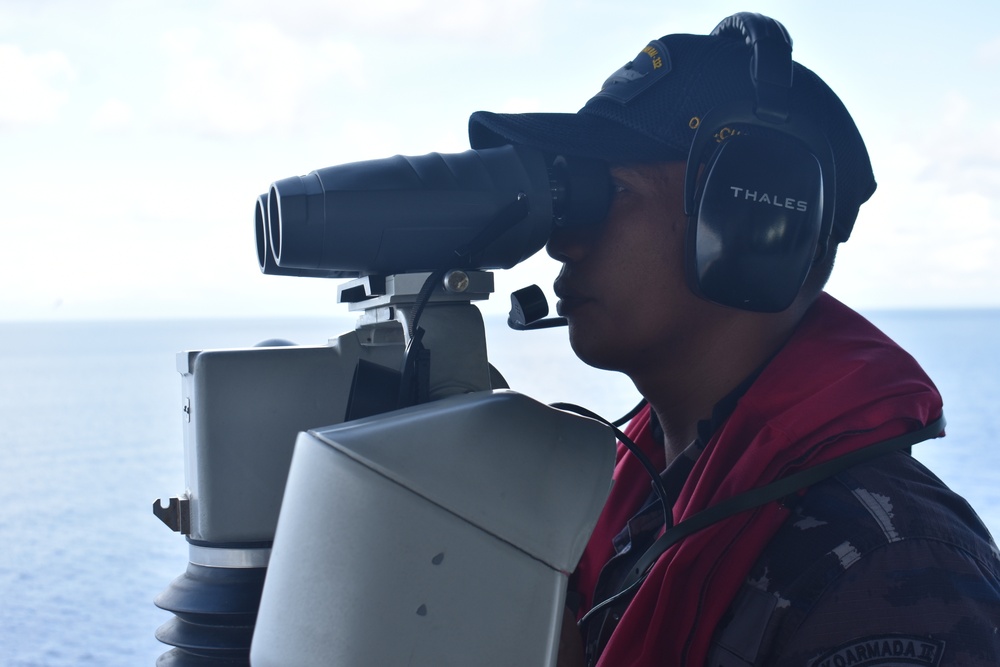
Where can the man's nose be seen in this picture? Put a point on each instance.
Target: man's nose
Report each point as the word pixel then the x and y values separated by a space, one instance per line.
pixel 569 244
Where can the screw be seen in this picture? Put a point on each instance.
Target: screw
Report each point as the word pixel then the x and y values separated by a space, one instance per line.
pixel 456 281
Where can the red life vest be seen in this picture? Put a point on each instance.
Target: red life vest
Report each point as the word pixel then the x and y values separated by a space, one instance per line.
pixel 838 384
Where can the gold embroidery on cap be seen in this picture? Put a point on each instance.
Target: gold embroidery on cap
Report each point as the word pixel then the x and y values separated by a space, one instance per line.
pixel 724 134
pixel 654 55
pixel 694 122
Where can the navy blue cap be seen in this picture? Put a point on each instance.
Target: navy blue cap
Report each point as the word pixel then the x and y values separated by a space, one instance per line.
pixel 649 110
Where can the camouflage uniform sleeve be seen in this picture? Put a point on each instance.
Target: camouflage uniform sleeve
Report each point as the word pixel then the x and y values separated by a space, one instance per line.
pixel 912 602
pixel 881 565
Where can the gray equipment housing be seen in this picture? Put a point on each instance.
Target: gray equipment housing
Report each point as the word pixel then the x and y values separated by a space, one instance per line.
pixel 439 534
pixel 436 535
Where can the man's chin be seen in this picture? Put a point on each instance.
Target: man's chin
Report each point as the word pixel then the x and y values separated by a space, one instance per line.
pixel 591 349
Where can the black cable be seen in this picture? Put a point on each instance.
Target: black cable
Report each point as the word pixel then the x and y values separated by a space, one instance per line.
pixel 546 323
pixel 415 353
pixel 626 418
pixel 610 601
pixel 654 475
pixel 423 297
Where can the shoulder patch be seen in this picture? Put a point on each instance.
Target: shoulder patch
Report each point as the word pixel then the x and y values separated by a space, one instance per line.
pixel 883 651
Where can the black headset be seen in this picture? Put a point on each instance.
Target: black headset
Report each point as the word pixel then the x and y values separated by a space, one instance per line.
pixel 759 185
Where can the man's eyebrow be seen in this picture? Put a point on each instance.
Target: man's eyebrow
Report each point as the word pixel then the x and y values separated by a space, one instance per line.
pixel 644 173
pixel 628 171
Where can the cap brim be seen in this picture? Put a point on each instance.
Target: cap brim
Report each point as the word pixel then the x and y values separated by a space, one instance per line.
pixel 580 134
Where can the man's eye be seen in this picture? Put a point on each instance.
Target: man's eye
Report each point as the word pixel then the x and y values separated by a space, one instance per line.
pixel 618 188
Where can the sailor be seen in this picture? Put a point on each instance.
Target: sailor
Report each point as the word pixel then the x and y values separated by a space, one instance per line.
pixel 736 174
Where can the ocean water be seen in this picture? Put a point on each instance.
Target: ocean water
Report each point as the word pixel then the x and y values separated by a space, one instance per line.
pixel 90 435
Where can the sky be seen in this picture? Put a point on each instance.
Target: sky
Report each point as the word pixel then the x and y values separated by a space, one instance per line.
pixel 136 135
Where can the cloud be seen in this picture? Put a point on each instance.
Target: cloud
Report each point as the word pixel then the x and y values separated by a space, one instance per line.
pixel 248 78
pixel 989 53
pixel 928 238
pixel 257 67
pixel 962 148
pixel 30 85
pixel 520 105
pixel 475 21
pixel 112 115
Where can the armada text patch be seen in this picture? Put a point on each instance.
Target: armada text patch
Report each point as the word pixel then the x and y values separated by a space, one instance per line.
pixel 884 651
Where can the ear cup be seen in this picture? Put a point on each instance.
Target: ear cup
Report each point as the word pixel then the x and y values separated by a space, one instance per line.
pixel 758 221
pixel 761 211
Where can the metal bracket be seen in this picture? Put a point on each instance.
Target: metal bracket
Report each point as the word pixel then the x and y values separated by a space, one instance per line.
pixel 177 514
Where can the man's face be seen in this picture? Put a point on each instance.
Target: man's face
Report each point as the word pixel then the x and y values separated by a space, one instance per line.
pixel 622 285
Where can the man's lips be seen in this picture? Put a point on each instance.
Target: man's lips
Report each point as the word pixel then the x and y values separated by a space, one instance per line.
pixel 569 299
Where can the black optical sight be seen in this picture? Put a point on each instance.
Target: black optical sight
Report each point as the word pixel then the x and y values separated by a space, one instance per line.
pixel 481 209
